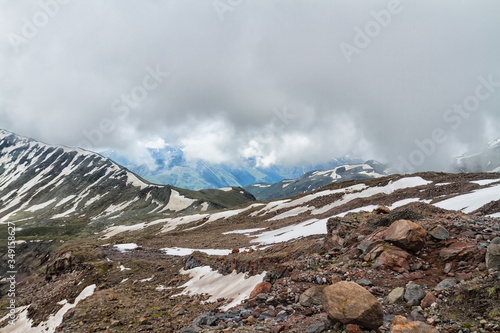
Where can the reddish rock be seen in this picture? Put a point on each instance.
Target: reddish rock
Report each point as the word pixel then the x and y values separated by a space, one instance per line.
pixel 250 320
pixel 394 259
pixel 235 250
pixel 428 300
pixel 457 249
pixel 402 325
pixel 382 210
pixel 261 288
pixel 407 235
pixel 279 328
pixel 353 329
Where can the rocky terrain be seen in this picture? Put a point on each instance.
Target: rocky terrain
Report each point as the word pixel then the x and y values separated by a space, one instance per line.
pixel 412 253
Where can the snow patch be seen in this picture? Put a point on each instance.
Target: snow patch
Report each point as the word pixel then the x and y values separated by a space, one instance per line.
pixel 126 247
pixel 471 201
pixel 485 181
pixel 285 234
pixel 23 323
pixel 235 286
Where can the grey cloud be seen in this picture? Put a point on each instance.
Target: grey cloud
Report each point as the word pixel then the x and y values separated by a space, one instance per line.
pixel 226 77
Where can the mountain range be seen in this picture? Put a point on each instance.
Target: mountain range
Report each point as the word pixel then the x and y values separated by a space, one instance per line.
pixel 313 180
pixel 49 182
pixel 487 159
pixel 169 165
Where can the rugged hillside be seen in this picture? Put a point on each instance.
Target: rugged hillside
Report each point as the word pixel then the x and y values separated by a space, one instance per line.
pixel 315 179
pixel 487 159
pixel 248 269
pixel 169 166
pixel 45 182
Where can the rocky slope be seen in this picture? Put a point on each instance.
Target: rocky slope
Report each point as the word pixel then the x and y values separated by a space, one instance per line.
pixel 255 264
pixel 46 182
pixel 313 180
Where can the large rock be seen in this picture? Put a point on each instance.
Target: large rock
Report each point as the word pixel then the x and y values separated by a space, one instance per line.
pixel 392 258
pixel 414 293
pixel 402 325
pixel 312 296
pixel 349 303
pixel 260 288
pixel 493 255
pixel 407 235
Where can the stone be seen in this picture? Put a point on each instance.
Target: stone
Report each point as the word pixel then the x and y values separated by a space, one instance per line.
pixel 365 282
pixel 336 233
pixel 413 293
pixel 457 250
pixel 312 296
pixel 439 233
pixel 402 325
pixel 493 255
pixel 188 330
pixel 407 235
pixel 445 284
pixel 316 328
pixel 261 288
pixel 393 258
pixel 382 210
pixel 395 295
pixel 350 303
pixel 353 329
pixel 427 300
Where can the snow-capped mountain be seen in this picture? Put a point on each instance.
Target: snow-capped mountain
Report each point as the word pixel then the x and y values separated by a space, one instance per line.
pixel 487 159
pixel 170 166
pixel 315 179
pixel 56 182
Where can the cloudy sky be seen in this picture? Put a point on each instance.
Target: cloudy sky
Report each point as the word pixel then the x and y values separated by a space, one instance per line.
pixel 285 82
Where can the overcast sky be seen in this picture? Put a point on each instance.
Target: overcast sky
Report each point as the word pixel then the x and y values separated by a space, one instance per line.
pixel 285 82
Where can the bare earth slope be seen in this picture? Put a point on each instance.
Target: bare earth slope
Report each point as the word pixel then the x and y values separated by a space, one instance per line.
pixel 315 239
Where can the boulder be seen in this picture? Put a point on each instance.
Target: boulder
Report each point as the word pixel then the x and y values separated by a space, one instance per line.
pixel 407 235
pixel 312 296
pixel 493 254
pixel 413 293
pixel 445 284
pixel 402 325
pixel 349 303
pixel 439 233
pixel 393 258
pixel 395 295
pixel 260 288
pixel 382 210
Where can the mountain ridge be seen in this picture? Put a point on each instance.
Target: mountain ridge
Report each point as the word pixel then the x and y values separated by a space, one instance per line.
pixel 44 181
